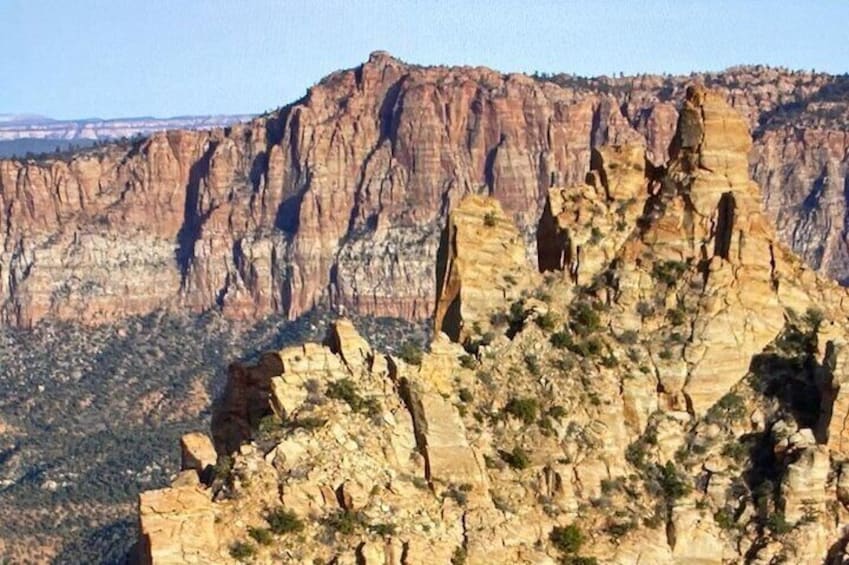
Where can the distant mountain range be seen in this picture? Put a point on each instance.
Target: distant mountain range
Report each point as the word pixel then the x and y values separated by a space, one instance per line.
pixel 21 134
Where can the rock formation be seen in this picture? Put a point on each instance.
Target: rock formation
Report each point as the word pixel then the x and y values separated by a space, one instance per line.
pixel 482 261
pixel 670 390
pixel 341 196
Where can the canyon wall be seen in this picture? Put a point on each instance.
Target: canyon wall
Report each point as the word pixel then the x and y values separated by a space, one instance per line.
pixel 341 196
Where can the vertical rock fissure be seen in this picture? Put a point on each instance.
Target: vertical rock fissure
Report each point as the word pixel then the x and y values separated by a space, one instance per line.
pixel 193 218
pixel 724 225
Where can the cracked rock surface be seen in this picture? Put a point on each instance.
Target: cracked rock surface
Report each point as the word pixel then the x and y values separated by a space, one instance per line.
pixel 666 385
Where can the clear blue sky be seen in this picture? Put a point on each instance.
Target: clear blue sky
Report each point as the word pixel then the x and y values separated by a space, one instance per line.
pixel 111 58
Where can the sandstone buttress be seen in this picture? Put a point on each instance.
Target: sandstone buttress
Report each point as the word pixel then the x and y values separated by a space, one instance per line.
pixel 668 390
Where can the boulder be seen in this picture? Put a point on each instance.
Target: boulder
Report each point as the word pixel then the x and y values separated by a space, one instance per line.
pixel 196 452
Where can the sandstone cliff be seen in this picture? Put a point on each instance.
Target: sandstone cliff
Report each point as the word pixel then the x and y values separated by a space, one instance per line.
pixel 670 390
pixel 341 196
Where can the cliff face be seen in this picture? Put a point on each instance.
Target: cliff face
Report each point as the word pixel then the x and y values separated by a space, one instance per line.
pixel 669 390
pixel 341 195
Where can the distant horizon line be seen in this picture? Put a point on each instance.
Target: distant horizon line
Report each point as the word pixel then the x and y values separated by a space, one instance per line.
pixel 52 120
pixel 380 52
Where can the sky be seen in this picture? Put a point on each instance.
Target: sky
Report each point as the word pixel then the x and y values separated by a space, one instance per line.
pixel 121 58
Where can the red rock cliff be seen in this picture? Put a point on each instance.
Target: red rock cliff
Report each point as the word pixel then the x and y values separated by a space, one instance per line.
pixel 341 195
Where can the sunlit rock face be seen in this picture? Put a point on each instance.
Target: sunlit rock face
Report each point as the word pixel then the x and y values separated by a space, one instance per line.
pixel 342 196
pixel 665 385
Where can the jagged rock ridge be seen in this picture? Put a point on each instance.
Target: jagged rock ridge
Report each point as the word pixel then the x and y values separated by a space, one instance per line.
pixel 668 390
pixel 341 196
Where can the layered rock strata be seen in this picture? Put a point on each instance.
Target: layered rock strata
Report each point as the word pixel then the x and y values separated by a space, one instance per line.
pixel 341 196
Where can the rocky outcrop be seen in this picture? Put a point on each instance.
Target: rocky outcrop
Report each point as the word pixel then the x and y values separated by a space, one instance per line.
pixel 197 453
pixel 482 261
pixel 341 196
pixel 177 525
pixel 583 227
pixel 833 424
pixel 673 397
pixel 244 402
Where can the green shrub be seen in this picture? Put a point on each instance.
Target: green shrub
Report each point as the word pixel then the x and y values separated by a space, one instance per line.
pixel 735 450
pixel 557 412
pixel 567 539
pixel 282 521
pixel 459 493
pixel 619 529
pixel 269 424
pixel 532 364
pixel 542 295
pixel 629 337
pixel 517 459
pixel 595 236
pixel 814 317
pixel 346 390
pixel 636 454
pixel 724 519
pixel 306 423
pixel 678 337
pixel 223 467
pixel 345 522
pixel 383 530
pixel 547 321
pixel 465 395
pixel 645 309
pixel 671 482
pixel 668 272
pixel 777 523
pixel 485 377
pixel 524 409
pixel 609 361
pixel 565 363
pixel 611 485
pixel 561 340
pixel 546 425
pixel 459 556
pixel 583 318
pixel 261 535
pixel 517 313
pixel 489 219
pixel 590 347
pixel 411 353
pixel 468 361
pixel 241 550
pixel 729 407
pixel 676 316
pixel 420 483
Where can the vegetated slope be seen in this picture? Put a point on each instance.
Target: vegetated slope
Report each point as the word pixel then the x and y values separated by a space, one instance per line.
pixel 89 417
pixel 340 197
pixel 27 148
pixel 670 389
